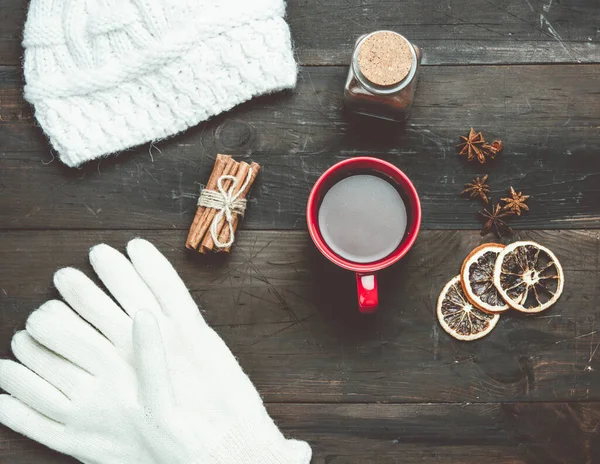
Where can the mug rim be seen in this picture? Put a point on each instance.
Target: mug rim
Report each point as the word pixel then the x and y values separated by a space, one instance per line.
pixel 411 234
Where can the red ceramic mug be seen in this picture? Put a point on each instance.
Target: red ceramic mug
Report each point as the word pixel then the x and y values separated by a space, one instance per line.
pixel 366 279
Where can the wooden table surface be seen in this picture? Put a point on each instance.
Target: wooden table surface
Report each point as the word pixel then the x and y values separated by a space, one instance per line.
pixel 393 388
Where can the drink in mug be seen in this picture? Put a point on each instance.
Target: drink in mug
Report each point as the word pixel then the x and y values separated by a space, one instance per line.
pixel 364 215
pixel 363 218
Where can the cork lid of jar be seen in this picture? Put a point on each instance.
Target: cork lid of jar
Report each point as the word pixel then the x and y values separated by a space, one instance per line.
pixel 385 58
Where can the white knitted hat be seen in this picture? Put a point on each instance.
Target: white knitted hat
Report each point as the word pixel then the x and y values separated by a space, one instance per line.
pixel 106 75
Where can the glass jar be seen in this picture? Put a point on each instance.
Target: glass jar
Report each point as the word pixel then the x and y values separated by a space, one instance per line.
pixel 383 76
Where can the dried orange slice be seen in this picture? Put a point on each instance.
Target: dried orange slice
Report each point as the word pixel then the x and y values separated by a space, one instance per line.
pixel 477 278
pixel 528 276
pixel 460 318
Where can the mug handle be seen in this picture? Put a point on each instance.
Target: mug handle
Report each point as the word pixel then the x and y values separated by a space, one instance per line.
pixel 368 300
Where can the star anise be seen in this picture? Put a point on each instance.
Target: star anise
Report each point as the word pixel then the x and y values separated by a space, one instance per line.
pixel 478 188
pixel 492 149
pixel 471 146
pixel 494 222
pixel 516 203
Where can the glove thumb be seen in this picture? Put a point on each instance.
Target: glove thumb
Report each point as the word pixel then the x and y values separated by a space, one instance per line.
pixel 151 364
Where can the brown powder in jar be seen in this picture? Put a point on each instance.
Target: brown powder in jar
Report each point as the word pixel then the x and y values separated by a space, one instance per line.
pixel 385 58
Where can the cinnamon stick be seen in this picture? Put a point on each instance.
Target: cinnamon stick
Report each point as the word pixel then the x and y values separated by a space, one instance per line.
pixel 241 175
pixel 198 228
pixel 209 213
pixel 224 236
pixel 206 242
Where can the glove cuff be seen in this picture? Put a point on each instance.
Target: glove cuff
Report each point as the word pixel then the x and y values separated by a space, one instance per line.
pixel 252 442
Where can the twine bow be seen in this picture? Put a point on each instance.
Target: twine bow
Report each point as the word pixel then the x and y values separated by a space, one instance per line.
pixel 227 203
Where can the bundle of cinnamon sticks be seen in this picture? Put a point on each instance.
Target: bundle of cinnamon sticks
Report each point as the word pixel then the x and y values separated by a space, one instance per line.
pixel 200 237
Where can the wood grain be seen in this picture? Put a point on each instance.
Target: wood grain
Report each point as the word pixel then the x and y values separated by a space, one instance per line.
pixel 547 116
pixel 387 389
pixel 450 32
pixel 291 317
pixel 511 433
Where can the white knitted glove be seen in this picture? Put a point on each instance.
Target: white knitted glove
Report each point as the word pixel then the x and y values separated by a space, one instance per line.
pixel 106 397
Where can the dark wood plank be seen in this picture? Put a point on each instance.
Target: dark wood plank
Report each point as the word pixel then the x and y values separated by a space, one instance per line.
pixel 291 317
pixel 12 19
pixel 548 118
pixel 512 433
pixel 450 32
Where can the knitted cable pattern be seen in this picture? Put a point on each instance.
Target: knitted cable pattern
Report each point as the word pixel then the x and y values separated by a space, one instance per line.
pixel 107 75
